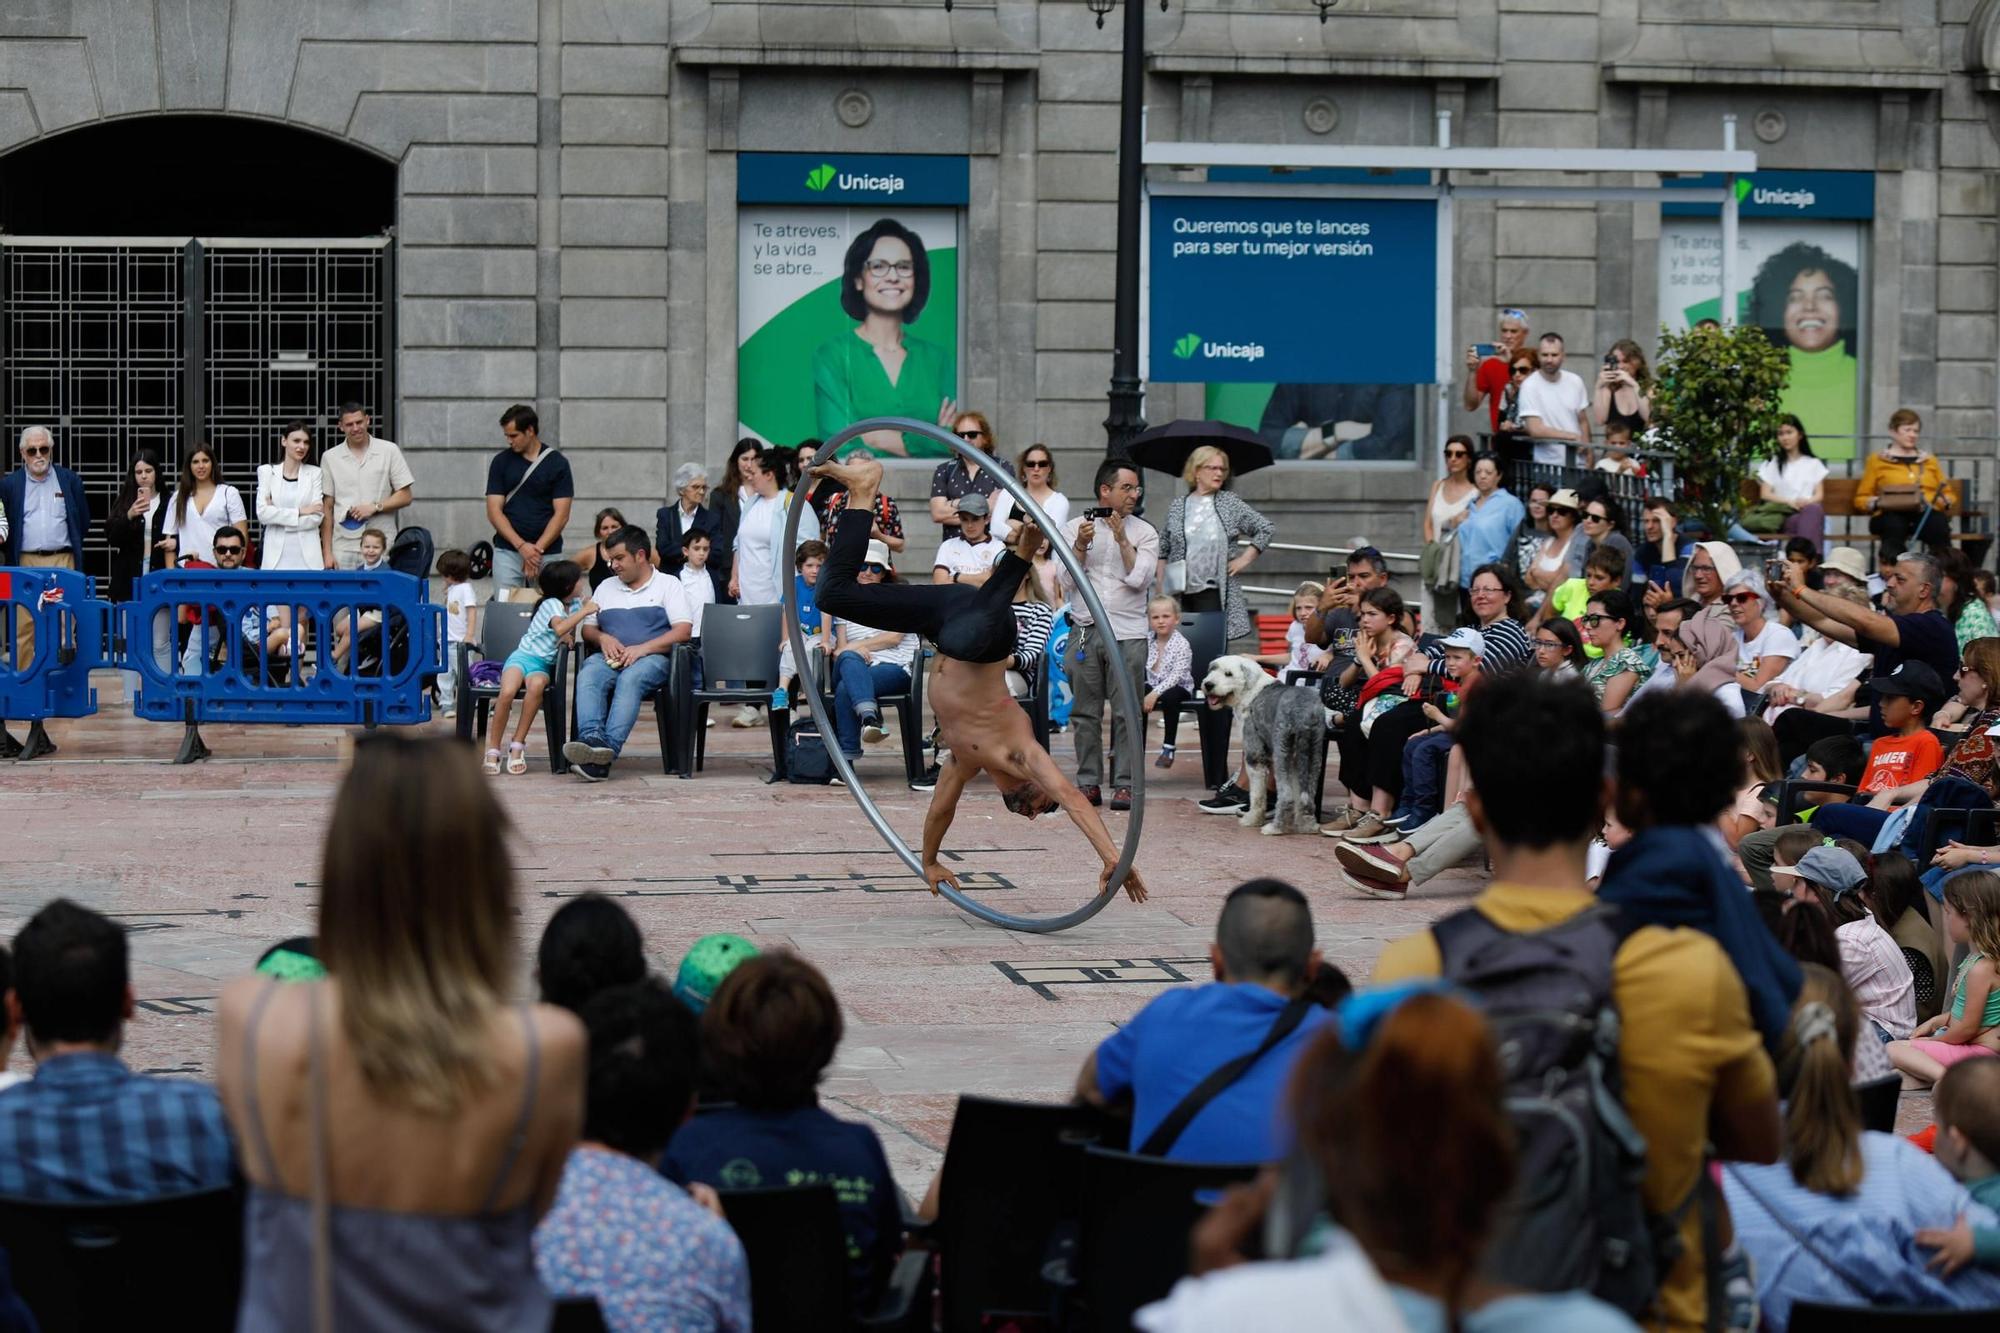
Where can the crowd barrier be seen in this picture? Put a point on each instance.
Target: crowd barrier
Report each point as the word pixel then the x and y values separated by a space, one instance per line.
pixel 279 647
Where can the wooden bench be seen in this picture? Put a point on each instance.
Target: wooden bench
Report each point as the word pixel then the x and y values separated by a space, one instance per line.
pixel 1846 524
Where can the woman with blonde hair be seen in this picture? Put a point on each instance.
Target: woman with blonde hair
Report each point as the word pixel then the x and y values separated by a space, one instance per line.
pixel 403 1123
pixel 1203 525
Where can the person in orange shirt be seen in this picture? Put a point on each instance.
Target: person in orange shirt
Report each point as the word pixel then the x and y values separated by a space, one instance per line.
pixel 1900 759
pixel 1903 464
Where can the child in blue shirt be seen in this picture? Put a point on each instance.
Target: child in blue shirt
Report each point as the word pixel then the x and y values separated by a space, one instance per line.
pixel 528 667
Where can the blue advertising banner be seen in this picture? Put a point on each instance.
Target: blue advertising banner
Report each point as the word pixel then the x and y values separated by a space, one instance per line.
pixel 1844 195
pixel 851 178
pixel 1254 290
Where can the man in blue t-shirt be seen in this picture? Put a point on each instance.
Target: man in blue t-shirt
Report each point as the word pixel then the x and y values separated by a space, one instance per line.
pixel 529 490
pixel 1263 957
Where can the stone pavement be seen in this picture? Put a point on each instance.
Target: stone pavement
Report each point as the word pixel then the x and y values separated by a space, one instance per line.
pixel 208 865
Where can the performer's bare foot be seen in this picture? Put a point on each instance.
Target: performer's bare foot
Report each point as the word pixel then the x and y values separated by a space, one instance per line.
pixel 861 476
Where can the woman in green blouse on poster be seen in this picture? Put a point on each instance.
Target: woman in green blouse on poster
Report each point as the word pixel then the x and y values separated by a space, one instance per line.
pixel 879 368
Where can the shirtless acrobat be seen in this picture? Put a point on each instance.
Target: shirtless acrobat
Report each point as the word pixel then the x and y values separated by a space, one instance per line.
pixel 973 628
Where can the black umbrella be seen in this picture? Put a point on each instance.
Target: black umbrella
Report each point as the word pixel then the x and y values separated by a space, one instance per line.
pixel 1166 448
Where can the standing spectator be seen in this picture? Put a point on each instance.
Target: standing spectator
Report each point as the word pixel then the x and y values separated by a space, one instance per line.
pixel 767 1037
pixel 968 557
pixel 1508 430
pixel 1911 629
pixel 1837 1220
pixel 1534 529
pixel 596 567
pixel 1263 959
pixel 364 479
pixel 1119 554
pixel 591 944
pixel 1038 474
pixel 1624 393
pixel 641 614
pixel 954 478
pixel 291 504
pixel 528 490
pixel 86 1129
pixel 1488 377
pixel 1904 489
pixel 653 1256
pixel 1795 478
pixel 1486 533
pixel 203 505
pixel 461 623
pixel 1449 506
pixel 886 526
pixel 433 1112
pixel 727 498
pixel 1203 524
pixel 1693 1069
pixel 135 526
pixel 753 580
pixel 689 513
pixel 1554 405
pixel 696 584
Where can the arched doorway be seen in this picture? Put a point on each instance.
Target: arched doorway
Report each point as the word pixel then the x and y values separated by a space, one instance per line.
pixel 172 279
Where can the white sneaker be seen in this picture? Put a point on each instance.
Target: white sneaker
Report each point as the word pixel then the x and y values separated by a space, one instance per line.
pixel 747 716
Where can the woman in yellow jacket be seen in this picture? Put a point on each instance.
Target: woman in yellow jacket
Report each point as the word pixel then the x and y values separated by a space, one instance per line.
pixel 1903 464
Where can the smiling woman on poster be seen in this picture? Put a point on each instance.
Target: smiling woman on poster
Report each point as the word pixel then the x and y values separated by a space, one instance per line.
pixel 1808 302
pixel 880 369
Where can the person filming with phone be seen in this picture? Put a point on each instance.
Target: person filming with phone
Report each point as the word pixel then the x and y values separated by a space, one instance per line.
pixel 1119 554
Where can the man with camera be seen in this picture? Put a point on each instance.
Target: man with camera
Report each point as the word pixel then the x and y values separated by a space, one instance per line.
pixel 1119 554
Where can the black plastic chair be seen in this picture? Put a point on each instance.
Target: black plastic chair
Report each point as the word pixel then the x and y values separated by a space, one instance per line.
pixel 1973 827
pixel 1813 1317
pixel 1879 1098
pixel 1132 1238
pixel 797 1251
pixel 501 628
pixel 740 644
pixel 908 703
pixel 1012 1176
pixel 1207 633
pixel 1795 794
pixel 95 1266
pixel 671 710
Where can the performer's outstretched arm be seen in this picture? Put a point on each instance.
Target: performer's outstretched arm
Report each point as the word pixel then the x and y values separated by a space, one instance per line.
pixel 944 804
pixel 1048 775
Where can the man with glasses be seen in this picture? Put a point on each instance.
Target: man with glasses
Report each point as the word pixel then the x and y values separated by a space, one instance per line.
pixel 272 624
pixel 1488 377
pixel 954 479
pixel 44 515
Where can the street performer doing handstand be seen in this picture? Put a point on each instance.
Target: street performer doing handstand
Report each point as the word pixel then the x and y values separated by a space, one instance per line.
pixel 973 628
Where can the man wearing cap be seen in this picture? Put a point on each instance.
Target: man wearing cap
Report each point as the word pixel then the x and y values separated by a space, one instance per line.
pixel 1911 628
pixel 1900 761
pixel 1488 378
pixel 1871 962
pixel 1554 405
pixel 968 558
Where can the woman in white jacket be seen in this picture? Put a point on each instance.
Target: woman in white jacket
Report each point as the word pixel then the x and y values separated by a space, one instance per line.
pixel 291 505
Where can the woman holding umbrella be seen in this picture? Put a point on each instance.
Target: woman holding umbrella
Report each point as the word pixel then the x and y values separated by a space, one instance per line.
pixel 1202 527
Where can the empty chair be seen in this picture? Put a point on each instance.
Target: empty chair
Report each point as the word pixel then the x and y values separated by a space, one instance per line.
pixel 797 1252
pixel 93 1266
pixel 501 625
pixel 1207 633
pixel 739 665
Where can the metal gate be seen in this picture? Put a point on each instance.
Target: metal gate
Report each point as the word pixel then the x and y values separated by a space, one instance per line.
pixel 119 344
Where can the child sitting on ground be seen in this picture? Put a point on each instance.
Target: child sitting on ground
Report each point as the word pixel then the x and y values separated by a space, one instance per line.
pixel 1971 1028
pixel 1968 1146
pixel 1299 656
pixel 1169 671
pixel 461 623
pixel 528 668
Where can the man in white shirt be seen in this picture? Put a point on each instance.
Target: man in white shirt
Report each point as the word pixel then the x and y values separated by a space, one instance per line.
pixel 968 557
pixel 364 479
pixel 1554 405
pixel 640 615
pixel 1119 553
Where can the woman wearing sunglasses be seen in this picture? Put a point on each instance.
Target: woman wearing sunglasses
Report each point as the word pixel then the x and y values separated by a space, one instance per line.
pixel 1607 625
pixel 1600 527
pixel 1561 554
pixel 1764 647
pixel 1449 505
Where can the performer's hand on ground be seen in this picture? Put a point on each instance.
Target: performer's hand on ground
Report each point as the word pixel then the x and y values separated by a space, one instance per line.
pixel 935 874
pixel 1135 887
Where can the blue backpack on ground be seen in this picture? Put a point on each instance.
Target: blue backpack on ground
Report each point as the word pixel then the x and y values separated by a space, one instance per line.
pixel 806 760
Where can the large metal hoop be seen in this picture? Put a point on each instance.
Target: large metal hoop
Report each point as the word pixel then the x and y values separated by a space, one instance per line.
pixel 1128 693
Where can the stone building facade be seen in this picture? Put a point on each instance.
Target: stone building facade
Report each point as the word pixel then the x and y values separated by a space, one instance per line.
pixel 567 182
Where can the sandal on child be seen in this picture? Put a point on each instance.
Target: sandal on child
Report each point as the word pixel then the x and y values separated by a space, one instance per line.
pixel 492 761
pixel 517 757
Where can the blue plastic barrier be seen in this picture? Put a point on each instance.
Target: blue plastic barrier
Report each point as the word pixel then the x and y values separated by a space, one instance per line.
pixel 72 637
pixel 238 680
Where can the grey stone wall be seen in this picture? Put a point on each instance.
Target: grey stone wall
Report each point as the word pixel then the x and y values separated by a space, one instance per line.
pixel 567 215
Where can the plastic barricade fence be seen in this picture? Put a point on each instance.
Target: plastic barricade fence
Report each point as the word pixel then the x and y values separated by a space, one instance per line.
pixel 280 646
pixel 72 638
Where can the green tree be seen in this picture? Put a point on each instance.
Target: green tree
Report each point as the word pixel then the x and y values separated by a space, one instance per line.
pixel 1715 401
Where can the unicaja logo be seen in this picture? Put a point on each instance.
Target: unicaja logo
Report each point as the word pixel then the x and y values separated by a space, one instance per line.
pixel 1187 345
pixel 820 176
pixel 1190 345
pixel 826 174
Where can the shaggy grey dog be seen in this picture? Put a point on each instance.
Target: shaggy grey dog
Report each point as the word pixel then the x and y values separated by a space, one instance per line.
pixel 1284 737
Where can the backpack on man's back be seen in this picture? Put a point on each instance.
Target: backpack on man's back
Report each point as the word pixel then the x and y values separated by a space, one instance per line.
pixel 1576 1220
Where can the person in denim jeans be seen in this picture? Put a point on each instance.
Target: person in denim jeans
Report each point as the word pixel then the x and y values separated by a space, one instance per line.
pixel 641 615
pixel 868 663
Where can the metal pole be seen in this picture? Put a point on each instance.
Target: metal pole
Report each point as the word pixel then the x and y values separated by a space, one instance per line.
pixel 1127 409
pixel 1446 295
pixel 1728 312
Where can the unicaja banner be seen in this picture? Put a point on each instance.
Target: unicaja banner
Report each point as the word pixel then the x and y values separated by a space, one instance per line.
pixel 847 298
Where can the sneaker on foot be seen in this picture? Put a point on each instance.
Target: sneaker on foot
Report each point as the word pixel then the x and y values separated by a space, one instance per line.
pixel 1121 799
pixel 1342 823
pixel 1166 759
pixel 746 716
pixel 928 782
pixel 1373 888
pixel 592 772
pixel 583 752
pixel 1093 794
pixel 1372 829
pixel 1371 863
pixel 872 730
pixel 1230 800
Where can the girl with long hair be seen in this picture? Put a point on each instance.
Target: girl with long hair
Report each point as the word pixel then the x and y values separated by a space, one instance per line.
pixel 202 505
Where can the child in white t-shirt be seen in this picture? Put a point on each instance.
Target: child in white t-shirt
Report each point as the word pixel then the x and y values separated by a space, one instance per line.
pixel 461 620
pixel 699 588
pixel 1299 656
